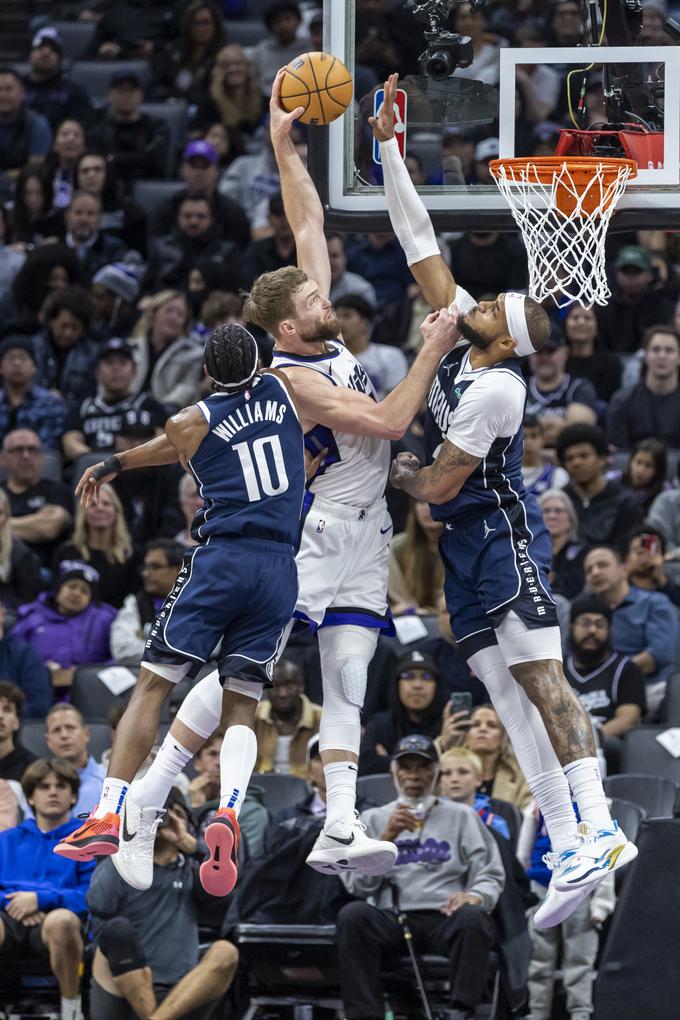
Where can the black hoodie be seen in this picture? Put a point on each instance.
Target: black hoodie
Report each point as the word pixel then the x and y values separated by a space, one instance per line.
pixel 387 728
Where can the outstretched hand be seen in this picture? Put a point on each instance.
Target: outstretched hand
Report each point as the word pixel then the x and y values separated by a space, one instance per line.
pixel 93 478
pixel 280 121
pixel 383 124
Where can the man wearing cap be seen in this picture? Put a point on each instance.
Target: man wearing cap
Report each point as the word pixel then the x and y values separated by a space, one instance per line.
pixel 386 366
pixel 49 90
pixel 651 408
pixel 495 547
pixel 200 172
pixel 553 396
pixel 195 238
pixel 418 702
pixel 25 136
pixel 93 425
pixel 135 143
pixel 609 685
pixel 23 403
pixel 636 303
pixel 447 878
pixel 115 292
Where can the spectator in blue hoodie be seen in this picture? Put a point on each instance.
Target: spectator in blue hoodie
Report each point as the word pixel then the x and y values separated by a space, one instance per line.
pixel 460 778
pixel 42 896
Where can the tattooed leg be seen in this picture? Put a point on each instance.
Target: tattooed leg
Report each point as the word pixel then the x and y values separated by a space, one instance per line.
pixel 565 718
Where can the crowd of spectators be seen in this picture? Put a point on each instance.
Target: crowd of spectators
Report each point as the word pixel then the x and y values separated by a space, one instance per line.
pixel 107 292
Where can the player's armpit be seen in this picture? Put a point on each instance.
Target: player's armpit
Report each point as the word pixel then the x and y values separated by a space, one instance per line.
pixel 442 480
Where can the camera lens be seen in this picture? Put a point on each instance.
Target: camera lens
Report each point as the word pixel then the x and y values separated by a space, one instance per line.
pixel 439 65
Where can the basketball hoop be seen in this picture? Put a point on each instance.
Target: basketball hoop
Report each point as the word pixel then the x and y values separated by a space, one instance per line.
pixel 563 206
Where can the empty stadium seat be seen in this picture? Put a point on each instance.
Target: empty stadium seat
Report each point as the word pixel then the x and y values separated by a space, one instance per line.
pixel 379 789
pixel 95 75
pixel 629 816
pixel 245 33
pixel 92 697
pixel 655 794
pixel 33 738
pixel 279 791
pixel 642 753
pixel 150 193
pixel 75 36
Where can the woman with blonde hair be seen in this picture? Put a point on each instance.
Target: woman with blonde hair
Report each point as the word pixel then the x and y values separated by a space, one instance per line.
pixel 416 573
pixel 559 516
pixel 101 538
pixel 168 363
pixel 19 567
pixel 235 98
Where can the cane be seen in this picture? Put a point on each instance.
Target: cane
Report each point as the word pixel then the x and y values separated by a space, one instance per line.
pixel 408 939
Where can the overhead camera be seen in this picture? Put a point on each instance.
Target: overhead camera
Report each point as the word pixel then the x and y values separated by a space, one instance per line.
pixel 445 50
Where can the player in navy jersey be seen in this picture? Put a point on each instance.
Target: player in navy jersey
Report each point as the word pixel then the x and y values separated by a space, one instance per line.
pixel 244 446
pixel 495 548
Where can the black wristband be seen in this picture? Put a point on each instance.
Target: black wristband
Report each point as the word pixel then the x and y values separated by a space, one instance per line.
pixel 111 466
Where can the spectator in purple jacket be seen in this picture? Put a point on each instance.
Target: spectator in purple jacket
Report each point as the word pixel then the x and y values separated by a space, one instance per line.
pixel 68 628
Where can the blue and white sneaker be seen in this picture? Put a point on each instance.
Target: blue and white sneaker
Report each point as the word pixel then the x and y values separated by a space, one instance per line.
pixel 557 906
pixel 601 852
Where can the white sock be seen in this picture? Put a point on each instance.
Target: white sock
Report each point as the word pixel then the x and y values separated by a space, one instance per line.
pixel 113 795
pixel 548 791
pixel 341 792
pixel 585 781
pixel 71 1009
pixel 237 761
pixel 152 789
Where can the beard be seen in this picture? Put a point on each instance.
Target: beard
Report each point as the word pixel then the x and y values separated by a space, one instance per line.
pixel 468 331
pixel 320 329
pixel 593 655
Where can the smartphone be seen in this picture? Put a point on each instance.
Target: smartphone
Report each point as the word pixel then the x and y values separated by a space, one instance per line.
pixel 461 701
pixel 650 543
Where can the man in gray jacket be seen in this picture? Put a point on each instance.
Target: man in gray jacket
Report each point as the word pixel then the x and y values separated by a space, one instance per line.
pixel 447 878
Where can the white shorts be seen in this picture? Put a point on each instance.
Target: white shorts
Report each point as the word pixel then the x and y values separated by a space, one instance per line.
pixel 342 565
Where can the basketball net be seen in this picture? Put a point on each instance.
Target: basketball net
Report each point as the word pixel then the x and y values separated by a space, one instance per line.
pixel 563 207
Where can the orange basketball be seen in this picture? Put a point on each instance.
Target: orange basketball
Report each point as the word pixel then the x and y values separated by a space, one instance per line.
pixel 319 82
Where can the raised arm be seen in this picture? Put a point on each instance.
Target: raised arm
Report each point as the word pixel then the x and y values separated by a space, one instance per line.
pixel 410 219
pixel 358 414
pixel 301 202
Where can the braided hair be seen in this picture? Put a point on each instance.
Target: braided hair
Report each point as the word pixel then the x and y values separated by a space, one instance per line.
pixel 231 357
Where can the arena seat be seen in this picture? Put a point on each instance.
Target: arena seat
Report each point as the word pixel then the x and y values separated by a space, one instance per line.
pixel 85 460
pixel 176 116
pixel 94 699
pixel 654 794
pixel 403 997
pixel 629 816
pixel 279 791
pixel 380 789
pixel 150 193
pixel 33 738
pixel 95 75
pixel 75 36
pixel 643 754
pixel 245 33
pixel 670 706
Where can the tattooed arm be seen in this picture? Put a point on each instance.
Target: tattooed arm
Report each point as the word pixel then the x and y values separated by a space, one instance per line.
pixel 439 482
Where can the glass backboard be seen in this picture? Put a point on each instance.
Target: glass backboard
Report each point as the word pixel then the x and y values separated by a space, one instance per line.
pixel 487 79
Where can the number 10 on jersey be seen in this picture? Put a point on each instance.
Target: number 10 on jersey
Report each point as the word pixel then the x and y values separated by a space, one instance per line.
pixel 256 468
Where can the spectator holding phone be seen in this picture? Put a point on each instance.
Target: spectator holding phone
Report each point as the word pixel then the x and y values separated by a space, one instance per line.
pixel 645 561
pixel 418 699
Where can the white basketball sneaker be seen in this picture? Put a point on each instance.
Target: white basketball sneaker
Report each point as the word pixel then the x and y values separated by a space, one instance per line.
pixel 346 847
pixel 558 906
pixel 134 860
pixel 601 852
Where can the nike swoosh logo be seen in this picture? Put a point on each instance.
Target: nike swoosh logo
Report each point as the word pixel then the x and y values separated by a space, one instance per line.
pixel 344 842
pixel 126 834
pixel 383 531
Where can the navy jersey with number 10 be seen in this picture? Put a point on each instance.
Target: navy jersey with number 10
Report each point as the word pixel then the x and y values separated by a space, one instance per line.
pixel 257 490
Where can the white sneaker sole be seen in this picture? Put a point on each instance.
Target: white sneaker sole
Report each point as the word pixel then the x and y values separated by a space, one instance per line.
pixel 561 906
pixel 128 875
pixel 375 860
pixel 610 860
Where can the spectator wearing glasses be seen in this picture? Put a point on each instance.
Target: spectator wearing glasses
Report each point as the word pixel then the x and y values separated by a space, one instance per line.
pixel 162 563
pixel 182 70
pixel 559 516
pixel 68 628
pixel 40 508
pixel 418 701
pixel 43 896
pixel 23 403
pixel 448 878
pixel 284 722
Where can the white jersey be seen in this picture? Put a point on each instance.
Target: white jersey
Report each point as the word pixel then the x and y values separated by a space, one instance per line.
pixel 356 467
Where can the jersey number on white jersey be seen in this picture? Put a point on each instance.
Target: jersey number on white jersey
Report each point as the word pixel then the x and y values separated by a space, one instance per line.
pixel 255 467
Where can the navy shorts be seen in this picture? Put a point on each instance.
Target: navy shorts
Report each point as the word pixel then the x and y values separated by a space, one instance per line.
pixel 495 564
pixel 240 590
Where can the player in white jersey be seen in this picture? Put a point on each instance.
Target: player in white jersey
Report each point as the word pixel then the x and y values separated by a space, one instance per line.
pixel 343 556
pixel 518 658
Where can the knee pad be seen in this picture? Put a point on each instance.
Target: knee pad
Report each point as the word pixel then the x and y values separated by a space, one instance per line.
pixel 121 947
pixel 345 655
pixel 201 710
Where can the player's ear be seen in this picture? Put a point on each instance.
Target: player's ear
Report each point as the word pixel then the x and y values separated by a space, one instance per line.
pixel 508 346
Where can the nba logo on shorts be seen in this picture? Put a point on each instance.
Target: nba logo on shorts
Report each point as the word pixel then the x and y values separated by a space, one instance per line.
pixel 400 100
pixel 320 526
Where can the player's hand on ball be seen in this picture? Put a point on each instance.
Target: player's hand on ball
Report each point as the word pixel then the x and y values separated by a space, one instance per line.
pixel 280 122
pixel 383 124
pixel 440 329
pixel 403 465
